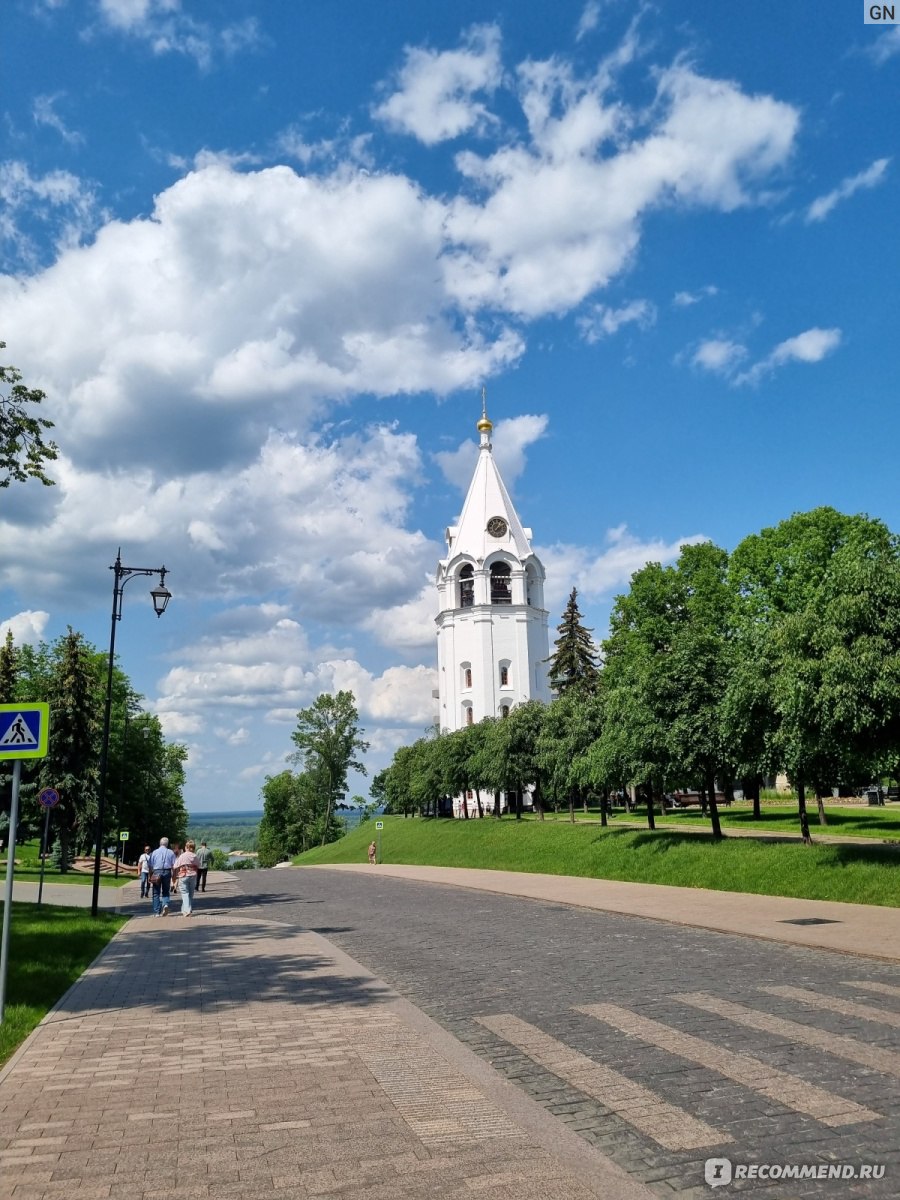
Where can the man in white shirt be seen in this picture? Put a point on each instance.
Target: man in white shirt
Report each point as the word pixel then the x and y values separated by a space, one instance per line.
pixel 144 872
pixel 162 860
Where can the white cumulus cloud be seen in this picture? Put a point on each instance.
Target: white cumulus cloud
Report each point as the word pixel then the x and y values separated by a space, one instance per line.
pixel 686 299
pixel 26 627
pixel 871 177
pixel 598 573
pixel 168 29
pixel 719 355
pixel 510 439
pixel 602 321
pixel 435 97
pixel 810 346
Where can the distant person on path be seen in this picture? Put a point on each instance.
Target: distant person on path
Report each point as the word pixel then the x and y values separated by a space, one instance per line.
pixel 372 852
pixel 144 871
pixel 162 860
pixel 204 858
pixel 186 872
pixel 176 850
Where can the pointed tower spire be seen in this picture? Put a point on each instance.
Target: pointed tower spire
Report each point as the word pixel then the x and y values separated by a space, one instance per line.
pixel 484 426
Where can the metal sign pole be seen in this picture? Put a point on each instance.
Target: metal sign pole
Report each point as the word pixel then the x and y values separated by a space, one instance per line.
pixel 10 867
pixel 44 853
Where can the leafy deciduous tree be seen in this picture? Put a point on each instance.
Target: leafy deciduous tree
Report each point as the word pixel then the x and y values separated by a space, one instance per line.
pixel 23 451
pixel 328 736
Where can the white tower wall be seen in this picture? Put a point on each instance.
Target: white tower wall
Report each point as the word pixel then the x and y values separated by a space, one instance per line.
pixel 492 634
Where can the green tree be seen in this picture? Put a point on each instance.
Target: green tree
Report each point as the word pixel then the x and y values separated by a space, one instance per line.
pixel 9 676
pixel 9 670
pixel 574 663
pixel 328 737
pixel 634 746
pixel 453 765
pixel 279 819
pixel 691 676
pixel 783 576
pixel 23 451
pixel 571 727
pixel 515 744
pixel 426 779
pixel 72 762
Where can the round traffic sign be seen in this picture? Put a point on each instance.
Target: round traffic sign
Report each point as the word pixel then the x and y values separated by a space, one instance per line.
pixel 49 797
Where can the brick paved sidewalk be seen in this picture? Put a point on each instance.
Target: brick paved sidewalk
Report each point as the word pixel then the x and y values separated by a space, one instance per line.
pixel 868 929
pixel 224 1056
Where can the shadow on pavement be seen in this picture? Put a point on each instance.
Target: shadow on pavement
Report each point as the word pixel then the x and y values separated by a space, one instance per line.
pixel 173 965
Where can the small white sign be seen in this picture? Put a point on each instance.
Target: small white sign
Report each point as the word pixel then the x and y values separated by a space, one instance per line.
pixel 379 824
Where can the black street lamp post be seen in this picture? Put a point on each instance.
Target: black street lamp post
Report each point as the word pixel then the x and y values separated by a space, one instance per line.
pixel 161 597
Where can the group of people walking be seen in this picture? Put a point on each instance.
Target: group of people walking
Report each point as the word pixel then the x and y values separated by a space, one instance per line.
pixel 187 869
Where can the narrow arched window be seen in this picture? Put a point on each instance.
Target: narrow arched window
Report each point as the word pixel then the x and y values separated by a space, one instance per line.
pixel 504 676
pixel 504 710
pixel 467 677
pixel 501 590
pixel 466 587
pixel 470 716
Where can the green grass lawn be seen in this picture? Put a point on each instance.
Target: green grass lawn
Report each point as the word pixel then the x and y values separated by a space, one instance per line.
pixel 859 874
pixel 28 869
pixel 49 948
pixel 843 821
pixel 26 874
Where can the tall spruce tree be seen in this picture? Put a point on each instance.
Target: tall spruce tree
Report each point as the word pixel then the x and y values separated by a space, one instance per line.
pixel 574 665
pixel 9 670
pixel 72 763
pixel 9 673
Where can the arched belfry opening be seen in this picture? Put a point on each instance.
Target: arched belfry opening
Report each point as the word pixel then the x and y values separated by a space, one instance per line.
pixel 501 583
pixel 467 586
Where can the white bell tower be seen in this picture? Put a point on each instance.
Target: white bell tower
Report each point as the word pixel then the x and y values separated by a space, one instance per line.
pixel 493 642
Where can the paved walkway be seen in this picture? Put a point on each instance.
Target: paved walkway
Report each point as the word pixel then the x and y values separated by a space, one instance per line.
pixel 226 1056
pixel 867 929
pixel 232 1056
pixel 78 895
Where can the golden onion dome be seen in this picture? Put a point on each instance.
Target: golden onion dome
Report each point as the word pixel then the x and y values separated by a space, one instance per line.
pixel 484 425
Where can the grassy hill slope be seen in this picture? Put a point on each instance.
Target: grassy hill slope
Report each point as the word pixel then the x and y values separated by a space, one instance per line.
pixel 858 874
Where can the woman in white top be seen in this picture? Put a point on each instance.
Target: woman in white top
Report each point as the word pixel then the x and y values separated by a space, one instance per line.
pixel 186 865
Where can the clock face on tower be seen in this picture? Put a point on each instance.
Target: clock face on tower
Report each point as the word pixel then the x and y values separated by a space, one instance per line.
pixel 497 527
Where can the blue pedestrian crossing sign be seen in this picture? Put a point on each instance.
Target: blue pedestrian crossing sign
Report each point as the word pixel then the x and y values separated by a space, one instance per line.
pixel 24 730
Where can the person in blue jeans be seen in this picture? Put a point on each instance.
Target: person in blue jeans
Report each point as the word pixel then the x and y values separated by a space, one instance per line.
pixel 162 860
pixel 144 871
pixel 186 873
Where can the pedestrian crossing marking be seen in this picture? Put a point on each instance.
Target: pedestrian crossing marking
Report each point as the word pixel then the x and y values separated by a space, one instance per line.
pixel 759 1076
pixel 887 1061
pixel 847 1008
pixel 665 1123
pixel 886 989
pixel 19 733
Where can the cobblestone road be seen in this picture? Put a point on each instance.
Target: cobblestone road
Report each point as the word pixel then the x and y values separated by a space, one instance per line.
pixel 663 1046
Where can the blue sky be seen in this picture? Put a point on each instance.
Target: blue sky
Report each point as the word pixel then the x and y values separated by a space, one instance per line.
pixel 262 258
